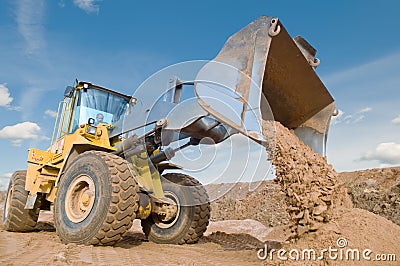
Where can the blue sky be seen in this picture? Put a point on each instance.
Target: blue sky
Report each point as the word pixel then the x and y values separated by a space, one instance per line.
pixel 45 45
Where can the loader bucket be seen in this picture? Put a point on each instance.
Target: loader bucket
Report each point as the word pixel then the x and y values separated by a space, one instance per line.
pixel 274 74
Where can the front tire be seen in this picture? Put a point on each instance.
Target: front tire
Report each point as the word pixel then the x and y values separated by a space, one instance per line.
pixel 16 218
pixel 192 217
pixel 96 200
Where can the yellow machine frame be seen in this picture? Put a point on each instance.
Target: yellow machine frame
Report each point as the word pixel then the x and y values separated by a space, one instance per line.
pixel 45 167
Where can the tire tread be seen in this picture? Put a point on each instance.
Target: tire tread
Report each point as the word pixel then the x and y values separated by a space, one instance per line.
pixel 202 210
pixel 117 224
pixel 18 219
pixel 124 201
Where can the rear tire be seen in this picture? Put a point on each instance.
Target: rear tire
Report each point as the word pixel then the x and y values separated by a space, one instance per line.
pixel 192 217
pixel 96 200
pixel 16 218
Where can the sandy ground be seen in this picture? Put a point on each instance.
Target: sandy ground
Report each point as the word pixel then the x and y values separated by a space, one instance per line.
pixel 227 242
pixel 43 247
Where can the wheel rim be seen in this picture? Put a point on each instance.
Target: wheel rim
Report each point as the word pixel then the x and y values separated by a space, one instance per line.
pixel 7 205
pixel 80 198
pixel 167 224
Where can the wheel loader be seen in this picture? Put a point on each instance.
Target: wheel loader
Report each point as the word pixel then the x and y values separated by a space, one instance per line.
pixel 109 159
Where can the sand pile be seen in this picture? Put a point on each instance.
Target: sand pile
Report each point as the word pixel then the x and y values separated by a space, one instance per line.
pixel 304 195
pixel 351 232
pixel 376 190
pixel 311 187
pixel 2 197
pixel 321 212
pixel 243 201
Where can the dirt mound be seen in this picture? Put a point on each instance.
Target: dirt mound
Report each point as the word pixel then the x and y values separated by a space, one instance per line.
pixel 358 236
pixel 313 198
pixel 311 187
pixel 2 197
pixel 320 209
pixel 242 201
pixel 376 190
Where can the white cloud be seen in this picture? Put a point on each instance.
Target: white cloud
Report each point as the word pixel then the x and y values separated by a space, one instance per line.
pixel 374 84
pixel 396 120
pixel 338 118
pixel 22 131
pixel 4 180
pixel 7 175
pixel 350 118
pixel 87 5
pixel 51 113
pixel 5 97
pixel 365 110
pixel 29 18
pixel 368 76
pixel 387 153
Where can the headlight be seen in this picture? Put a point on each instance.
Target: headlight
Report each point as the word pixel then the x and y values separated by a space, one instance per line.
pixel 91 130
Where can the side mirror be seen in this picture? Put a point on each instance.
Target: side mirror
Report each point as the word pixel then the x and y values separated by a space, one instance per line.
pixel 91 121
pixel 69 91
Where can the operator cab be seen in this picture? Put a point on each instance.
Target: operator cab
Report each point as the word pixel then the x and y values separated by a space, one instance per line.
pixel 83 104
pixel 96 105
